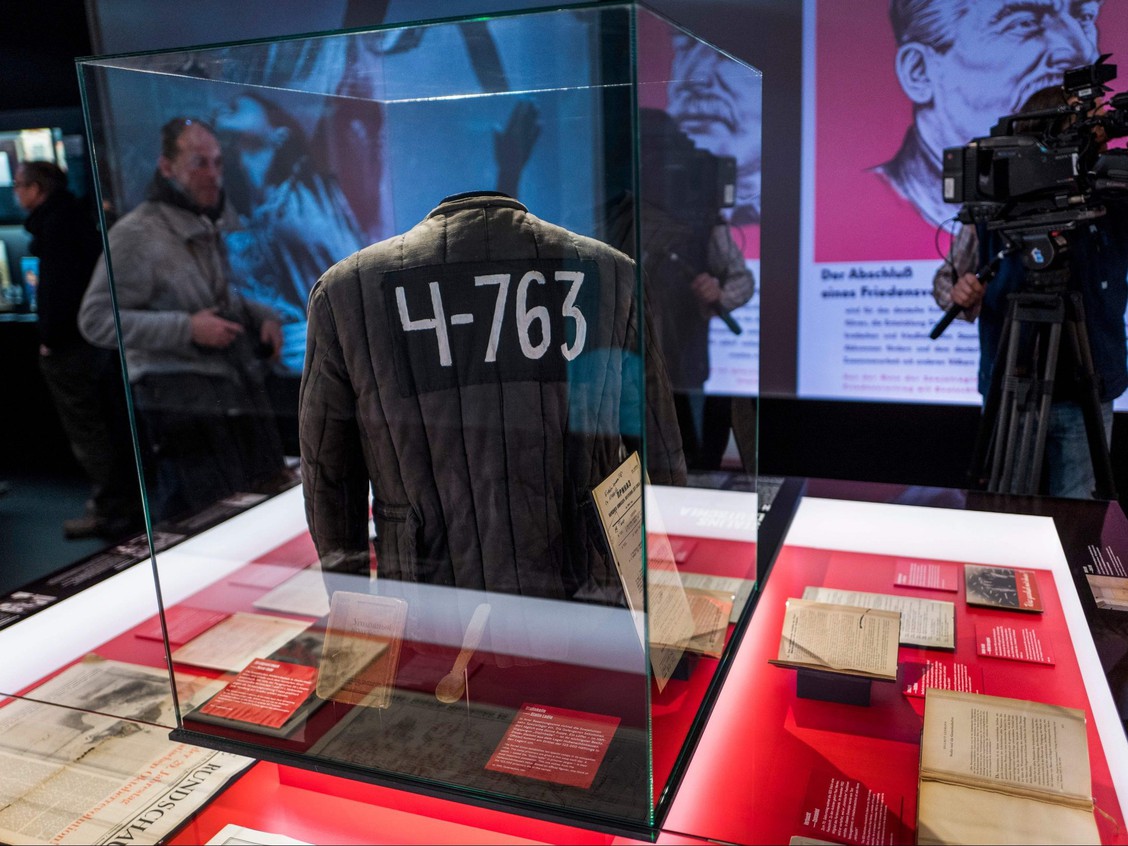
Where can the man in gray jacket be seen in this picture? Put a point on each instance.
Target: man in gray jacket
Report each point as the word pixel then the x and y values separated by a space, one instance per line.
pixel 481 373
pixel 194 349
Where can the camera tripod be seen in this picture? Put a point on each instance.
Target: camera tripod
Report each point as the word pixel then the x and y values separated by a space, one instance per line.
pixel 1011 443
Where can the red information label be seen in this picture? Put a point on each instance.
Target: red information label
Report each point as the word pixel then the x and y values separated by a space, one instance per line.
pixel 943 674
pixel 1018 643
pixel 843 810
pixel 683 548
pixel 554 744
pixel 927 574
pixel 266 693
pixel 183 623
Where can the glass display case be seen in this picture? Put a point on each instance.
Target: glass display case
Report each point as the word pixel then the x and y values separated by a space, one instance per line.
pixel 460 286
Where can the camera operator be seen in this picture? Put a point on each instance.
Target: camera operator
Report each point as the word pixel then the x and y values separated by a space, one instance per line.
pixel 695 272
pixel 1098 265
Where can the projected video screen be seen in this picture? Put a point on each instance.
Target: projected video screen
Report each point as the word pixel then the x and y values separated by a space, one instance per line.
pixel 888 86
pixel 324 156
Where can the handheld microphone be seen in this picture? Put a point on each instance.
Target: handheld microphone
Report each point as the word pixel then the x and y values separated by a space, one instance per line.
pixel 985 274
pixel 727 318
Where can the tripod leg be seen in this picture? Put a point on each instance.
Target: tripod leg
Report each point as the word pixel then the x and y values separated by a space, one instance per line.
pixel 1000 409
pixel 1097 437
pixel 1045 392
pixel 1024 392
pixel 1021 422
pixel 1010 421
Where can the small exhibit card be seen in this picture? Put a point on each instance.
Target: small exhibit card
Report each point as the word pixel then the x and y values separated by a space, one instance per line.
pixel 1015 643
pixel 266 693
pixel 929 575
pixel 554 744
pixel 946 674
pixel 843 810
pixel 1105 561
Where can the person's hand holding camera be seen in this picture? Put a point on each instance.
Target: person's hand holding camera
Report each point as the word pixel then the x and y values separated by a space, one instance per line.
pixel 212 331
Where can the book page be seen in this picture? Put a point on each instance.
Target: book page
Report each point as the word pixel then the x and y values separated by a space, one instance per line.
pixel 302 593
pixel 1006 744
pixel 741 589
pixel 949 813
pixel 858 641
pixel 238 640
pixel 924 622
pixel 711 611
pixel 618 500
pixel 654 592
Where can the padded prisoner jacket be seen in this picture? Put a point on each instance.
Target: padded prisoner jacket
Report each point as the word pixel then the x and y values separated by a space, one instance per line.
pixel 482 387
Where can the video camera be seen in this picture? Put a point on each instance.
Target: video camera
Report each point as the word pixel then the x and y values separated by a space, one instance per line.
pixel 689 183
pixel 1046 162
pixel 1039 175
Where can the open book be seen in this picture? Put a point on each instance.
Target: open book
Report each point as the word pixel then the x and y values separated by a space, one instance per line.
pixel 995 770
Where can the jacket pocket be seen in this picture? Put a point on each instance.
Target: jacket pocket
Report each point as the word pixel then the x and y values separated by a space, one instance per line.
pixel 397 540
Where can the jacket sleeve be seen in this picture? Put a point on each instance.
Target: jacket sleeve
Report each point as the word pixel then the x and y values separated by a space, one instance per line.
pixel 334 473
pixel 962 258
pixel 96 314
pixel 135 253
pixel 728 265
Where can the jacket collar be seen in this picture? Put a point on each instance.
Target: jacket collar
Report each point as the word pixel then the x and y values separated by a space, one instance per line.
pixel 190 226
pixel 476 200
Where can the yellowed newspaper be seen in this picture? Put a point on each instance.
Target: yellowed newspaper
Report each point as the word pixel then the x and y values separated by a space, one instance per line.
pixel 88 759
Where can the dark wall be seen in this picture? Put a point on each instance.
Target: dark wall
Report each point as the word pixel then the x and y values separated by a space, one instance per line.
pixel 31 438
pixel 38 44
pixel 898 443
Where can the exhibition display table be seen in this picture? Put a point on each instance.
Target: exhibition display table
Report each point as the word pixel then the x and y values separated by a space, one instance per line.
pixel 767 764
